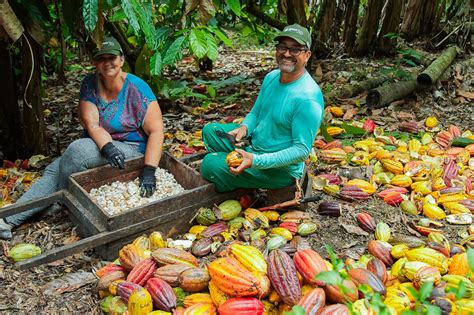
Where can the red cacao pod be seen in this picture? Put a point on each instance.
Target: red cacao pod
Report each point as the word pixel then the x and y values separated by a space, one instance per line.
pixel 334 294
pixel 108 268
pixel 215 229
pixel 142 271
pixel 353 193
pixel 125 288
pixel 377 267
pixel 408 126
pixel 313 301
pixel 309 264
pixel 162 294
pixel 290 226
pixel 377 249
pixel 364 276
pixel 282 273
pixel 241 306
pixel 366 222
pixel 334 309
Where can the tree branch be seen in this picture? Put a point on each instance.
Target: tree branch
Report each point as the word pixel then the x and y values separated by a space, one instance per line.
pixel 255 11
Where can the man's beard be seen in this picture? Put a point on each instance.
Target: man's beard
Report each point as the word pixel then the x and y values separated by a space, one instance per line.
pixel 284 67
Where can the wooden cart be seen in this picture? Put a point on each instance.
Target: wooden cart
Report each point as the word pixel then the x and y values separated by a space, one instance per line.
pixel 108 233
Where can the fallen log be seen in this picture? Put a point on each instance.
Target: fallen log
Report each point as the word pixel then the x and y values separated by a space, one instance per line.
pixel 386 94
pixel 359 87
pixel 436 69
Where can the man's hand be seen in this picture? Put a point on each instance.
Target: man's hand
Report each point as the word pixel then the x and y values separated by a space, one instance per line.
pixel 239 134
pixel 114 155
pixel 147 181
pixel 246 162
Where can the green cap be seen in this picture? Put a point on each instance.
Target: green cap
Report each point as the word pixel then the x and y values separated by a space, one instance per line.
pixel 110 46
pixel 298 33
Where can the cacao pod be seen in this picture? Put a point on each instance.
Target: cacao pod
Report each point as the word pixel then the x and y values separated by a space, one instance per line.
pixel 165 256
pixel 306 228
pixel 228 210
pixel 206 216
pixel 130 255
pixel 426 274
pixel 309 264
pixel 313 301
pixel 197 298
pixel 201 309
pixel 23 251
pixel 194 279
pixel 170 273
pixel 329 208
pixel 335 295
pixel 234 159
pixel 142 271
pixel 377 249
pixel 250 257
pixel 377 267
pixel 162 294
pixel 352 193
pixel 215 229
pixel 282 274
pixel 140 302
pixel 202 247
pixel 242 305
pixel 334 309
pixel 366 222
pixel 109 278
pixel 364 276
pixel 125 288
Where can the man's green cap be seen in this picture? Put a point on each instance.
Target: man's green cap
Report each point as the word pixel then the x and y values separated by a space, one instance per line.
pixel 296 32
pixel 110 46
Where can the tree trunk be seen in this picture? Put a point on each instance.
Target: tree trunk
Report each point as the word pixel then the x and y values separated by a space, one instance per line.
pixel 322 28
pixel 428 17
pixel 386 94
pixel 439 14
pixel 11 139
pixel 336 25
pixel 350 24
pixel 390 24
pixel 33 120
pixel 61 75
pixel 436 69
pixel 296 13
pixel 412 19
pixel 370 25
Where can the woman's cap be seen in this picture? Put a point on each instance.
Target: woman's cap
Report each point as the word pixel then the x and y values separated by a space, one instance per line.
pixel 110 46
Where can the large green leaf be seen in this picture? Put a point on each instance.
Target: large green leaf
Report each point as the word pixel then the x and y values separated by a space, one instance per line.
pixel 131 16
pixel 156 64
pixel 174 52
pixel 234 6
pixel 89 14
pixel 221 36
pixel 212 51
pixel 161 35
pixel 198 43
pixel 143 12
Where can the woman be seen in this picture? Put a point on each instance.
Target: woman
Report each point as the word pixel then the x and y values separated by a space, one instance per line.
pixel 122 119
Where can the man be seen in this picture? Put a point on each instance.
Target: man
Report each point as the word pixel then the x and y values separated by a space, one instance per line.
pixel 282 124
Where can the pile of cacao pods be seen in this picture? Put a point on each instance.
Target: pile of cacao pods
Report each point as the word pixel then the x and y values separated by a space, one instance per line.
pixel 428 173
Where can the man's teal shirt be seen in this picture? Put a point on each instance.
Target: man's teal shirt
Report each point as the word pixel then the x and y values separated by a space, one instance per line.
pixel 284 121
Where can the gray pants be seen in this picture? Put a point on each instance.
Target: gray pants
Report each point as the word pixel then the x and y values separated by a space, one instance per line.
pixel 79 156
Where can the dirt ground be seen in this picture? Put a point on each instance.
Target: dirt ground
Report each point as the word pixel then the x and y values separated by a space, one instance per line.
pixel 68 285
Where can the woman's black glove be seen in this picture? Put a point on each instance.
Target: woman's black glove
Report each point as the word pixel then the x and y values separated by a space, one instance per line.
pixel 114 155
pixel 147 181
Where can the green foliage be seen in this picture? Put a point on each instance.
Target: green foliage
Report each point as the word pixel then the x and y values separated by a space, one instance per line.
pixel 422 302
pixel 234 6
pixel 374 300
pixel 296 310
pixel 470 258
pixel 89 12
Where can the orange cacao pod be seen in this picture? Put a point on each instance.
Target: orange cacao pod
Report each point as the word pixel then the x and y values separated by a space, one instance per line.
pixel 201 309
pixel 170 273
pixel 313 301
pixel 165 256
pixel 334 309
pixel 290 226
pixel 426 274
pixel 334 155
pixel 241 306
pixel 309 264
pixel 130 255
pixel 333 144
pixel 108 268
pixel 364 276
pixel 388 191
pixel 194 279
pixel 377 267
pixel 459 265
pixel 110 277
pixel 377 249
pixel 142 271
pixel 162 294
pixel 234 159
pixel 366 222
pixel 232 278
pixel 197 298
pixel 334 294
pixel 393 198
pixel 295 216
pixel 282 274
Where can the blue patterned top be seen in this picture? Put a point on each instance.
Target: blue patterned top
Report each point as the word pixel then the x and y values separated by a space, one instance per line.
pixel 122 117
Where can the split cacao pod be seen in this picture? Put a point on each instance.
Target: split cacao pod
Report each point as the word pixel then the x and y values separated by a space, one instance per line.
pixel 194 280
pixel 380 251
pixel 362 184
pixel 130 255
pixel 364 276
pixel 290 226
pixel 234 159
pixel 329 208
pixel 309 264
pixel 392 166
pixel 295 216
pixel 170 273
pixel 459 265
pixel 142 271
pixel 430 257
pixel 242 305
pixel 335 155
pixel 205 216
pixel 165 256
pixel 313 301
pixel 142 242
pixel 217 295
pixel 366 222
pixel 256 218
pixel 156 240
pixel 334 309
pixel 162 294
pixel 282 274
pixel 232 278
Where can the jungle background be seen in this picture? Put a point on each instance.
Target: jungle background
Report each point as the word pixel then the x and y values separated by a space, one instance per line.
pixel 205 60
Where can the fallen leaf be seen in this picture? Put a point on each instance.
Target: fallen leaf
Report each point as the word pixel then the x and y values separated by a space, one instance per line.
pixel 69 282
pixel 350 113
pixel 350 228
pixel 405 115
pixel 466 94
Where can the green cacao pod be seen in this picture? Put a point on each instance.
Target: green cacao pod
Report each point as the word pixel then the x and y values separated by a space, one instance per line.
pixel 23 251
pixel 228 210
pixel 205 216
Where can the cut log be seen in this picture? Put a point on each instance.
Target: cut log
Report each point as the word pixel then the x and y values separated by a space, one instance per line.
pixel 436 69
pixel 384 95
pixel 358 87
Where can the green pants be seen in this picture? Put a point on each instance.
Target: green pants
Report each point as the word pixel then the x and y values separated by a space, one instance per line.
pixel 215 169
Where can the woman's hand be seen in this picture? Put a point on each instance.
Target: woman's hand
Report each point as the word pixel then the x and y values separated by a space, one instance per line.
pixel 239 134
pixel 246 162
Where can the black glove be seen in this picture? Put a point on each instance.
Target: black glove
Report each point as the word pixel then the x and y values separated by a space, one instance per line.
pixel 114 155
pixel 147 181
